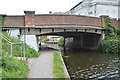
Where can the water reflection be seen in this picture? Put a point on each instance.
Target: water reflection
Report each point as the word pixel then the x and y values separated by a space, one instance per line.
pixel 86 64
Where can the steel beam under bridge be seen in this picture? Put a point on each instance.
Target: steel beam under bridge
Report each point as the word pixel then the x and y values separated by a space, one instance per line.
pixel 37 30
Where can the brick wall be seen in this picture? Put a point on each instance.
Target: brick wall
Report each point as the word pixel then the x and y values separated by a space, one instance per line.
pixel 65 19
pixel 35 20
pixel 31 19
pixel 115 22
pixel 14 21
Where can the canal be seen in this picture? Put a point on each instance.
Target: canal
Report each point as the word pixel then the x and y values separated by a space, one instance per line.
pixel 89 64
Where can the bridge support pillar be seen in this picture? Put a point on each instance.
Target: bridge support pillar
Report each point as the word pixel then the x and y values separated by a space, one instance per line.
pixel 32 41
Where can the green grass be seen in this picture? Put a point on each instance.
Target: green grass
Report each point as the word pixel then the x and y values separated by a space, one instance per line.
pixel 30 53
pixel 58 66
pixel 13 68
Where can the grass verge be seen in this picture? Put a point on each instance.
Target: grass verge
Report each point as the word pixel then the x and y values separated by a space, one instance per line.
pixel 13 68
pixel 58 66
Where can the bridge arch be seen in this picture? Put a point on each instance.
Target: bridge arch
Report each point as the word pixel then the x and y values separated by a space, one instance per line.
pixel 85 40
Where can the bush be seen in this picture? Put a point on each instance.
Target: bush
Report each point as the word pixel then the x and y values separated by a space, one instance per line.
pixel 111 31
pixel 110 46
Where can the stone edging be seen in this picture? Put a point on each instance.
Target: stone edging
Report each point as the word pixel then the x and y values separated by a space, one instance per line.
pixel 65 69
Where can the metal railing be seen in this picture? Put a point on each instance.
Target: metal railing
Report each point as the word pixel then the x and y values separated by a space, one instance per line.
pixel 11 44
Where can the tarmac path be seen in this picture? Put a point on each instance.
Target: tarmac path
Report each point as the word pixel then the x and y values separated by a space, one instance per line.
pixel 42 67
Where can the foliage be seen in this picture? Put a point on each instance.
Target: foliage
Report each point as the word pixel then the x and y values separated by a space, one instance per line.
pixel 111 31
pixel 110 46
pixel 43 38
pixel 18 48
pixel 58 66
pixel 61 41
pixel 13 68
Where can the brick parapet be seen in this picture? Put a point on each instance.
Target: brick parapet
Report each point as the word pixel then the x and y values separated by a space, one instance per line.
pixel 32 19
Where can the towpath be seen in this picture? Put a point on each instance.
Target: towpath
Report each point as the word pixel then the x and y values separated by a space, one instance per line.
pixel 42 67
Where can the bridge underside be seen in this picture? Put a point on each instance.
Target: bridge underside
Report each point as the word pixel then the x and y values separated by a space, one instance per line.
pixel 68 34
pixel 76 37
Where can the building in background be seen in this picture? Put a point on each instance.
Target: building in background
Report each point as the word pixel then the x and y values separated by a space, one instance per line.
pixel 97 8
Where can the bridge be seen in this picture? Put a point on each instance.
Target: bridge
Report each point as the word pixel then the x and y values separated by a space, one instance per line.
pixel 78 31
pixel 84 36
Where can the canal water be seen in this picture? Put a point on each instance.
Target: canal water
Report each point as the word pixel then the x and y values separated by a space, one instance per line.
pixel 87 64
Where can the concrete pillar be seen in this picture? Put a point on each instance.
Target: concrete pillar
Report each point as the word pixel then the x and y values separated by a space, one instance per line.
pixel 32 41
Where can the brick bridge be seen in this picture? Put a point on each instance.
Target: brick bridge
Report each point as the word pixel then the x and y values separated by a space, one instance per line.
pixel 85 31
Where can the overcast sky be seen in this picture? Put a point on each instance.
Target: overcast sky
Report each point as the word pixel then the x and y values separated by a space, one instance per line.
pixel 16 7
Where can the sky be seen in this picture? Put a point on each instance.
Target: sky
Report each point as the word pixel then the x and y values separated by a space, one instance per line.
pixel 17 7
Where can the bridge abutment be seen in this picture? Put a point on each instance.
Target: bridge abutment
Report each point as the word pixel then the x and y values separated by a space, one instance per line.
pixel 31 40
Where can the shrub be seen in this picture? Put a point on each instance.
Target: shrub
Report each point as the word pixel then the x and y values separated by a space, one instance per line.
pixel 111 31
pixel 110 46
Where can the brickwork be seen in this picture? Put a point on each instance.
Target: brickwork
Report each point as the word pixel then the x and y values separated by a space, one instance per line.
pixel 14 21
pixel 31 19
pixel 115 22
pixel 35 20
pixel 65 19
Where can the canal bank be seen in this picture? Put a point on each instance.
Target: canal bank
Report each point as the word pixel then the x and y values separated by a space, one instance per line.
pixel 43 66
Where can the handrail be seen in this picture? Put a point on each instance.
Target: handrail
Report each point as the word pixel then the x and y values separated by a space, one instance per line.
pixel 5 38
pixel 9 41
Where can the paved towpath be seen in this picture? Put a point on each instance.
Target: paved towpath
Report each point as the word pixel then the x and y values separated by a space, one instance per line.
pixel 42 67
